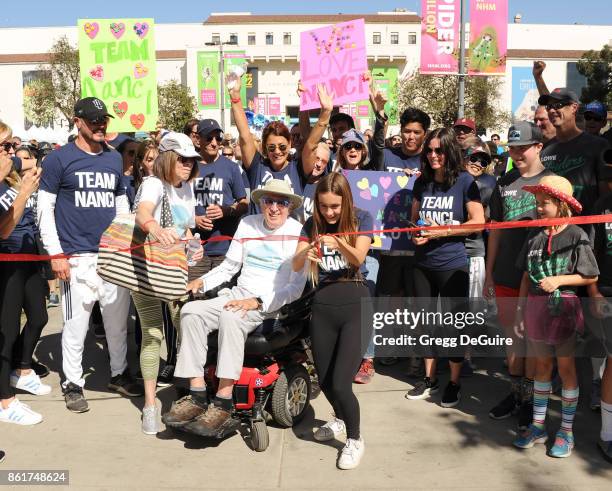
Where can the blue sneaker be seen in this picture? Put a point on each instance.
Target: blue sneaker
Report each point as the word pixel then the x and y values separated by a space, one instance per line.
pixel 530 437
pixel 564 443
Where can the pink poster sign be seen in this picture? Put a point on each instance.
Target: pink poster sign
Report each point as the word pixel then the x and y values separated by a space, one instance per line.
pixel 488 37
pixel 335 56
pixel 274 106
pixel 440 36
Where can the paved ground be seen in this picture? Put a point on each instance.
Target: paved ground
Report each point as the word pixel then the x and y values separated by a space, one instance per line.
pixel 409 444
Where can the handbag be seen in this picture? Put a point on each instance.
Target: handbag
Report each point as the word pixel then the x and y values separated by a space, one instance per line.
pixel 128 258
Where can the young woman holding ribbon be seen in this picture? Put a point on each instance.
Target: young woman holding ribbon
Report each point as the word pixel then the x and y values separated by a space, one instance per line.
pixel 336 261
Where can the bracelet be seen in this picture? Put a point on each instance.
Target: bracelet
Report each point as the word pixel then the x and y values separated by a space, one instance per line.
pixel 235 101
pixel 146 223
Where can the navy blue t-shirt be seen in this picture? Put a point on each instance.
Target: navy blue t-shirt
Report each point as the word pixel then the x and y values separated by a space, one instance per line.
pixel 86 186
pixel 261 172
pixel 308 206
pixel 444 207
pixel 334 265
pixel 130 189
pixel 23 238
pixel 218 183
pixel 396 160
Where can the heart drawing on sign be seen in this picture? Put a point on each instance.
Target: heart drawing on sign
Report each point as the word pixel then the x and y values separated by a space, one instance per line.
pixel 386 196
pixel 363 183
pixel 140 70
pixel 117 29
pixel 374 190
pixel 137 120
pixel 402 181
pixel 365 194
pixel 385 182
pixel 97 73
pixel 91 29
pixel 120 108
pixel 141 29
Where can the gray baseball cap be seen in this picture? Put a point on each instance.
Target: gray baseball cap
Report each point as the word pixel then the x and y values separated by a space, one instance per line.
pixel 353 135
pixel 524 133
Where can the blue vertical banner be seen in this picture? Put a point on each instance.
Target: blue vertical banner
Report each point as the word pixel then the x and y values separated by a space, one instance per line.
pixel 524 94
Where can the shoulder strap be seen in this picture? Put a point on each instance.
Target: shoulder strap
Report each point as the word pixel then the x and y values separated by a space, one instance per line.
pixel 166 212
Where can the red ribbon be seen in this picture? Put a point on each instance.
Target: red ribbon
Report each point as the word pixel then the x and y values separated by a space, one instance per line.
pixel 544 222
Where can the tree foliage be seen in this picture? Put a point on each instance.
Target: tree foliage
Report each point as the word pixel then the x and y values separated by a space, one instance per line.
pixel 596 66
pixel 176 105
pixel 38 107
pixel 61 87
pixel 438 96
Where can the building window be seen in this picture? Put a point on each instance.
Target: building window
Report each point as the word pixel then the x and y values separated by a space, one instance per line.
pixel 376 38
pixel 216 38
pixel 233 38
pixel 412 38
pixel 395 38
pixel 269 38
pixel 251 39
pixel 287 38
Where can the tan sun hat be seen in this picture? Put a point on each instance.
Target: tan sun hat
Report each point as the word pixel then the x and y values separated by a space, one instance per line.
pixel 278 187
pixel 557 187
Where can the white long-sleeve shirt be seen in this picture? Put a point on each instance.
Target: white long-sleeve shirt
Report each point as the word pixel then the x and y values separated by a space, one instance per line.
pixel 267 271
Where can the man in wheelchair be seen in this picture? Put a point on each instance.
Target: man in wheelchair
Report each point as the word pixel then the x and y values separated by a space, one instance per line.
pixel 266 283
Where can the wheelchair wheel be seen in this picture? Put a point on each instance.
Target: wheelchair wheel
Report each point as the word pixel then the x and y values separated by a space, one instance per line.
pixel 260 439
pixel 291 396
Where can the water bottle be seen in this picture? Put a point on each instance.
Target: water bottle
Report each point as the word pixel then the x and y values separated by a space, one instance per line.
pixel 193 246
pixel 421 223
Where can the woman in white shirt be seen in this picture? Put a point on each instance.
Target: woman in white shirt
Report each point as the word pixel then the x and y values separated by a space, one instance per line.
pixel 174 169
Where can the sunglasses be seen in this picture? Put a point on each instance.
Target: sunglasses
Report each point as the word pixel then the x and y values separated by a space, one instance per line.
pixel 186 160
pixel 463 129
pixel 227 154
pixel 280 202
pixel 210 138
pixel 353 146
pixel 437 151
pixel 272 147
pixel 589 117
pixel 7 146
pixel 478 161
pixel 557 105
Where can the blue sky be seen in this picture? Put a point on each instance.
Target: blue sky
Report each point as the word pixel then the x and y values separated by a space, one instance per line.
pixel 66 12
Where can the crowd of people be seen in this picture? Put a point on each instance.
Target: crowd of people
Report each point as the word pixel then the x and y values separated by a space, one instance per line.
pixel 290 184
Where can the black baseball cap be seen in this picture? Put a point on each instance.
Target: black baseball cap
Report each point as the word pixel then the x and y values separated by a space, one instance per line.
pixel 91 109
pixel 559 94
pixel 207 126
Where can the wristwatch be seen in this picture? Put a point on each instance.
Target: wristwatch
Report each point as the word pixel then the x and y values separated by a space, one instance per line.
pixel 259 304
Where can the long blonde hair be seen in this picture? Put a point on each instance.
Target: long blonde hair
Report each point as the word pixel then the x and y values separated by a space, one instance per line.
pixel 13 178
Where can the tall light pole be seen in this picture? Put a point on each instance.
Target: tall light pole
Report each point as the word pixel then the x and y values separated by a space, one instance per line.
pixel 462 74
pixel 221 75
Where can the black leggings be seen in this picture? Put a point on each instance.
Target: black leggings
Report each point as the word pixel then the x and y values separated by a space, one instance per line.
pixel 449 285
pixel 335 332
pixel 21 287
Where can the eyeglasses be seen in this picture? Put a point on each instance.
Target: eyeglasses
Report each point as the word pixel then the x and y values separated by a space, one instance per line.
pixel 217 138
pixel 437 151
pixel 280 202
pixel 589 117
pixel 557 105
pixel 272 147
pixel 353 145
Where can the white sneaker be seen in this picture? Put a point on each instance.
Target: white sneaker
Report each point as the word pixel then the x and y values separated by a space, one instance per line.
pixel 351 454
pixel 20 414
pixel 30 383
pixel 330 430
pixel 151 419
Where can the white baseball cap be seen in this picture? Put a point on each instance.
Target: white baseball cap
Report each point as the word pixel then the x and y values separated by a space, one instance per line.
pixel 178 143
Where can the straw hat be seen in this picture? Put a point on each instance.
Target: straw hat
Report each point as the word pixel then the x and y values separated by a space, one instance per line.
pixel 557 187
pixel 278 187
